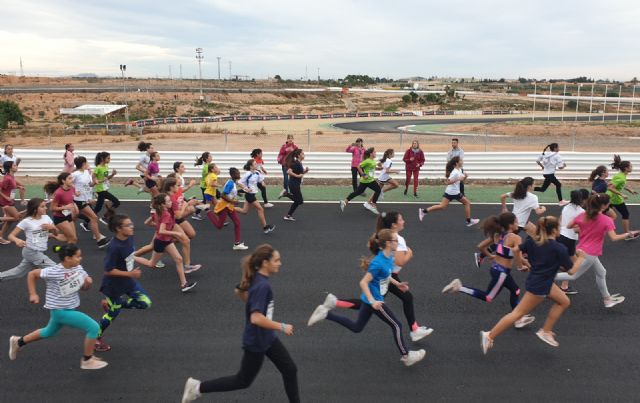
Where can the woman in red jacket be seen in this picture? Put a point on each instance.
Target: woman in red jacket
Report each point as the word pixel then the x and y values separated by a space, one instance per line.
pixel 413 160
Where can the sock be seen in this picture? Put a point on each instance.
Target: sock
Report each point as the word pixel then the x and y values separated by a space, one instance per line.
pixel 87 357
pixel 344 304
pixel 414 326
pixel 21 342
pixel 468 219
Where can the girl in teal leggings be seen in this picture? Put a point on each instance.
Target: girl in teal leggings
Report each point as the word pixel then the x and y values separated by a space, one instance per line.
pixel 64 281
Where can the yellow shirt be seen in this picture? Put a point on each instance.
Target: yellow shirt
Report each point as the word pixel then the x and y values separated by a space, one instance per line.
pixel 212 183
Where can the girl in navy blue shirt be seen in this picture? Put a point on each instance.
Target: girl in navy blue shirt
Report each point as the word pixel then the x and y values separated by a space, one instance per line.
pixel 546 256
pixel 296 172
pixel 259 338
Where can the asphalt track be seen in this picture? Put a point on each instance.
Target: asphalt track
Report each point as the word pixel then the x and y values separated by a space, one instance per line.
pixel 392 126
pixel 199 334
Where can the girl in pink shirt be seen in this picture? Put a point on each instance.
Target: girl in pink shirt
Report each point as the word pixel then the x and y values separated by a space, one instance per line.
pixel 357 151
pixel 69 156
pixel 8 188
pixel 593 226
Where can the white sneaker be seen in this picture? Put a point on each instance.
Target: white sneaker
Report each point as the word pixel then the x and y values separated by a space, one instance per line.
pixel 13 347
pixel 473 222
pixel 196 217
pixel 477 259
pixel 202 206
pixel 240 246
pixel 103 221
pixel 268 205
pixel 485 342
pixel 453 286
pixel 613 301
pixel 190 268
pixel 421 214
pixel 160 264
pixel 191 390
pixel 524 321
pixel 373 209
pixel 366 205
pixel 343 204
pixel 547 337
pixel 381 197
pixel 84 226
pixel 320 313
pixel 93 363
pixel 330 301
pixel 420 333
pixel 562 203
pixel 288 218
pixel 413 357
pixel 282 193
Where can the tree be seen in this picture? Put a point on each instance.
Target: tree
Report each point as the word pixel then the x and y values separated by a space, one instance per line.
pixel 406 98
pixel 10 112
pixel 277 77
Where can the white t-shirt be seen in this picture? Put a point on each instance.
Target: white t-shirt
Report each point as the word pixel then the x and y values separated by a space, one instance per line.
pixel 569 213
pixel 522 207
pixel 454 188
pixel 144 160
pixel 5 158
pixel 550 161
pixel 63 286
pixel 251 179
pixel 36 236
pixel 82 183
pixel 402 247
pixel 384 174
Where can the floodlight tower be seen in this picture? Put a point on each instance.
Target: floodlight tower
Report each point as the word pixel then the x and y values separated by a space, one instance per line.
pixel 199 57
pixel 123 69
pixel 218 57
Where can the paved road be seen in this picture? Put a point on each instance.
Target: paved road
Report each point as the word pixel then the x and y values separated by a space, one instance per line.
pixel 199 334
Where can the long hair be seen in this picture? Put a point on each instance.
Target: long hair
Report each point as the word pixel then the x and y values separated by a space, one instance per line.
pixel 619 164
pixel 387 155
pixel 6 167
pixel 201 159
pixel 167 184
pixel 545 227
pixel 367 153
pixel 255 152
pixel 33 205
pixel 247 166
pixel 598 172
pixel 101 157
pixel 66 149
pixel 292 157
pixel 51 186
pixel 79 161
pixel 494 225
pixel 158 203
pixel 577 196
pixel 252 263
pixel 386 220
pixel 595 203
pixel 377 242
pixel 143 146
pixel 451 165
pixel 553 147
pixel 65 251
pixel 520 191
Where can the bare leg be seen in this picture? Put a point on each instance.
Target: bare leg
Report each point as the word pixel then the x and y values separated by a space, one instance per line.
pixel 527 304
pixel 562 303
pixel 442 206
pixel 260 212
pixel 175 255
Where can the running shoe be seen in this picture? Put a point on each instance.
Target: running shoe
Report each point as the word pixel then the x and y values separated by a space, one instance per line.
pixel 190 268
pixel 477 258
pixel 524 321
pixel 381 197
pixel 405 192
pixel 225 223
pixel 485 342
pixel 188 286
pixel 101 346
pixel 415 195
pixel 343 204
pixel 191 390
pixel 421 213
pixel 569 290
pixel 330 301
pixel 282 193
pixel 548 337
pixel 14 347
pixel 240 246
pixel 613 301
pixel 562 203
pixel 269 228
pixel 366 205
pixel 268 205
pixel 320 313
pixel 202 206
pixel 373 209
pixel 196 217
pixel 93 363
pixel 84 226
pixel 129 182
pixel 420 333
pixel 160 264
pixel 413 357
pixel 288 218
pixel 140 190
pixel 453 286
pixel 101 219
pixel 102 243
pixel 472 222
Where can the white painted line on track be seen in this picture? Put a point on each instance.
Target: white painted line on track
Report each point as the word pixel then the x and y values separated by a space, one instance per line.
pixel 383 202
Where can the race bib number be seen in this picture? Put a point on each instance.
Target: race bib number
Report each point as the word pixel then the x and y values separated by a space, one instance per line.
pixel 39 238
pixel 71 284
pixel 130 262
pixel 12 195
pixel 270 308
pixel 66 213
pixel 384 285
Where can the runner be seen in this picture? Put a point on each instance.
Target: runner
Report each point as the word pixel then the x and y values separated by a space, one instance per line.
pixel 295 172
pixel 413 160
pixel 68 158
pixel 227 206
pixel 617 185
pixel 36 226
pixel 568 237
pixel 63 281
pixel 549 164
pixel 374 286
pixel 82 183
pixel 366 169
pixel 593 225
pixel 119 285
pixel 598 179
pixel 523 203
pixel 546 256
pixel 502 232
pixel 259 338
pixel 285 149
pixel 211 191
pixel 8 188
pixel 152 174
pixel 102 180
pixel 357 151
pixel 249 183
pixel 204 160
pixel 143 163
pixel 62 206
pixel 455 177
pixel 9 156
pixel 256 154
pixel 384 179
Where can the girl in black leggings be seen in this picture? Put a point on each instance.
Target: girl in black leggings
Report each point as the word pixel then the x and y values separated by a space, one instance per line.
pixel 259 338
pixel 295 171
pixel 550 162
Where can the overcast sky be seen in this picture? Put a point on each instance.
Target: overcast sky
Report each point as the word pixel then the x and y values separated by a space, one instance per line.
pixel 482 39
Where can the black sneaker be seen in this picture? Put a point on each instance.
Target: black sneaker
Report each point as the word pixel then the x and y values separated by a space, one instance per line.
pixel 103 242
pixel 188 286
pixel 269 228
pixel 569 290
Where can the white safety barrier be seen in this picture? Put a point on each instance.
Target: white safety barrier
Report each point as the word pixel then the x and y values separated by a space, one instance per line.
pixel 479 165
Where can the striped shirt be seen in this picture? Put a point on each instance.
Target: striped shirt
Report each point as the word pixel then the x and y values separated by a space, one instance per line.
pixel 63 286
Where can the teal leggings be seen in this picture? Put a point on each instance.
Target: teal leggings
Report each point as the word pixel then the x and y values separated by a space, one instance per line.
pixel 71 318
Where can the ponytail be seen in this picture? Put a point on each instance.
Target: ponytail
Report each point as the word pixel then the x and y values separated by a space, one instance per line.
pixel 252 263
pixel 367 153
pixel 595 203
pixel 202 159
pixel 495 225
pixel 387 154
pixel 520 191
pixel 619 164
pixel 598 172
pixel 552 147
pixel 546 226
pixel 65 251
pixel 451 165
pixel 377 242
pixel 386 220
pixel 51 186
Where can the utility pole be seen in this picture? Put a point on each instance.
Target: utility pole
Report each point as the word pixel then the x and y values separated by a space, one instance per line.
pixel 170 75
pixel 199 57
pixel 123 69
pixel 181 72
pixel 218 57
pixel 318 75
pixel 21 69
pixel 230 77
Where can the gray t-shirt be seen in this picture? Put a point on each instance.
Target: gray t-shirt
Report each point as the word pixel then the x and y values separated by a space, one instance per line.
pixel 459 152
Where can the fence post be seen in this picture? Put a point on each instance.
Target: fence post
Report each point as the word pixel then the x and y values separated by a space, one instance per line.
pixel 226 140
pixel 486 139
pixel 573 140
pixel 401 138
pixel 49 136
pixel 309 139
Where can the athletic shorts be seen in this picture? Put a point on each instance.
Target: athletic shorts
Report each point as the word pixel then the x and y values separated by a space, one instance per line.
pixel 250 197
pixel 159 246
pixel 208 198
pixel 81 204
pixel 569 243
pixel 60 219
pixel 150 183
pixel 449 197
pixel 382 182
pixel 180 220
pixel 622 209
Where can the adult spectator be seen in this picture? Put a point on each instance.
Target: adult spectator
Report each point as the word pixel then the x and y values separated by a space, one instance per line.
pixel 456 151
pixel 413 160
pixel 9 156
pixel 357 150
pixel 69 156
pixel 286 148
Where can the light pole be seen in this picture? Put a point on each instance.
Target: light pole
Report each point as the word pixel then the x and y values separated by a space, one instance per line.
pixel 535 88
pixel 123 69
pixel 564 94
pixel 604 112
pixel 199 57
pixel 633 98
pixel 578 101
pixel 591 102
pixel 218 67
pixel 619 98
pixel 549 108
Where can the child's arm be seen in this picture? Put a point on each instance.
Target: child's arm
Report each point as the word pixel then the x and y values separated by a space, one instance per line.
pixel 13 237
pixel 484 248
pixel 31 286
pixel 364 286
pixel 163 231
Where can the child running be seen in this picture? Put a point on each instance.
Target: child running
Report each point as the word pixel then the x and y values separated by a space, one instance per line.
pixel 8 188
pixel 36 226
pixel 256 154
pixel 82 183
pixel 119 285
pixel 455 177
pixel 549 164
pixel 143 163
pixel 385 181
pixel 296 172
pixel 523 203
pixel 357 152
pixel 598 179
pixel 211 191
pixel 374 286
pixel 204 160
pixel 366 169
pixel 63 206
pixel 259 338
pixel 617 185
pixel 63 281
pixel 249 182
pixel 102 180
pixel 227 206
pixel 501 231
pixel 593 225
pixel 152 174
pixel 546 256
pixel 568 237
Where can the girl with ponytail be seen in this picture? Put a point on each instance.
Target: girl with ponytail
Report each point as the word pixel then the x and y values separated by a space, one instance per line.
pixel 374 286
pixel 523 203
pixel 617 185
pixel 550 162
pixel 260 333
pixel 366 169
pixel 8 187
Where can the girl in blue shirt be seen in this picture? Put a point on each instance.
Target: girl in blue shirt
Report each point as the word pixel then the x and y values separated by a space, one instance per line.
pixel 374 286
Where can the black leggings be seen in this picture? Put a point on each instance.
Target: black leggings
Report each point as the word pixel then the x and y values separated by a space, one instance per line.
pixel 499 280
pixel 362 187
pixel 354 178
pixel 249 368
pixel 294 194
pixel 263 191
pixel 549 179
pixel 105 195
pixel 622 209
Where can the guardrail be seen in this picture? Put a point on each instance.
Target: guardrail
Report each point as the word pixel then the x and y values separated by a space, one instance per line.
pixel 479 165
